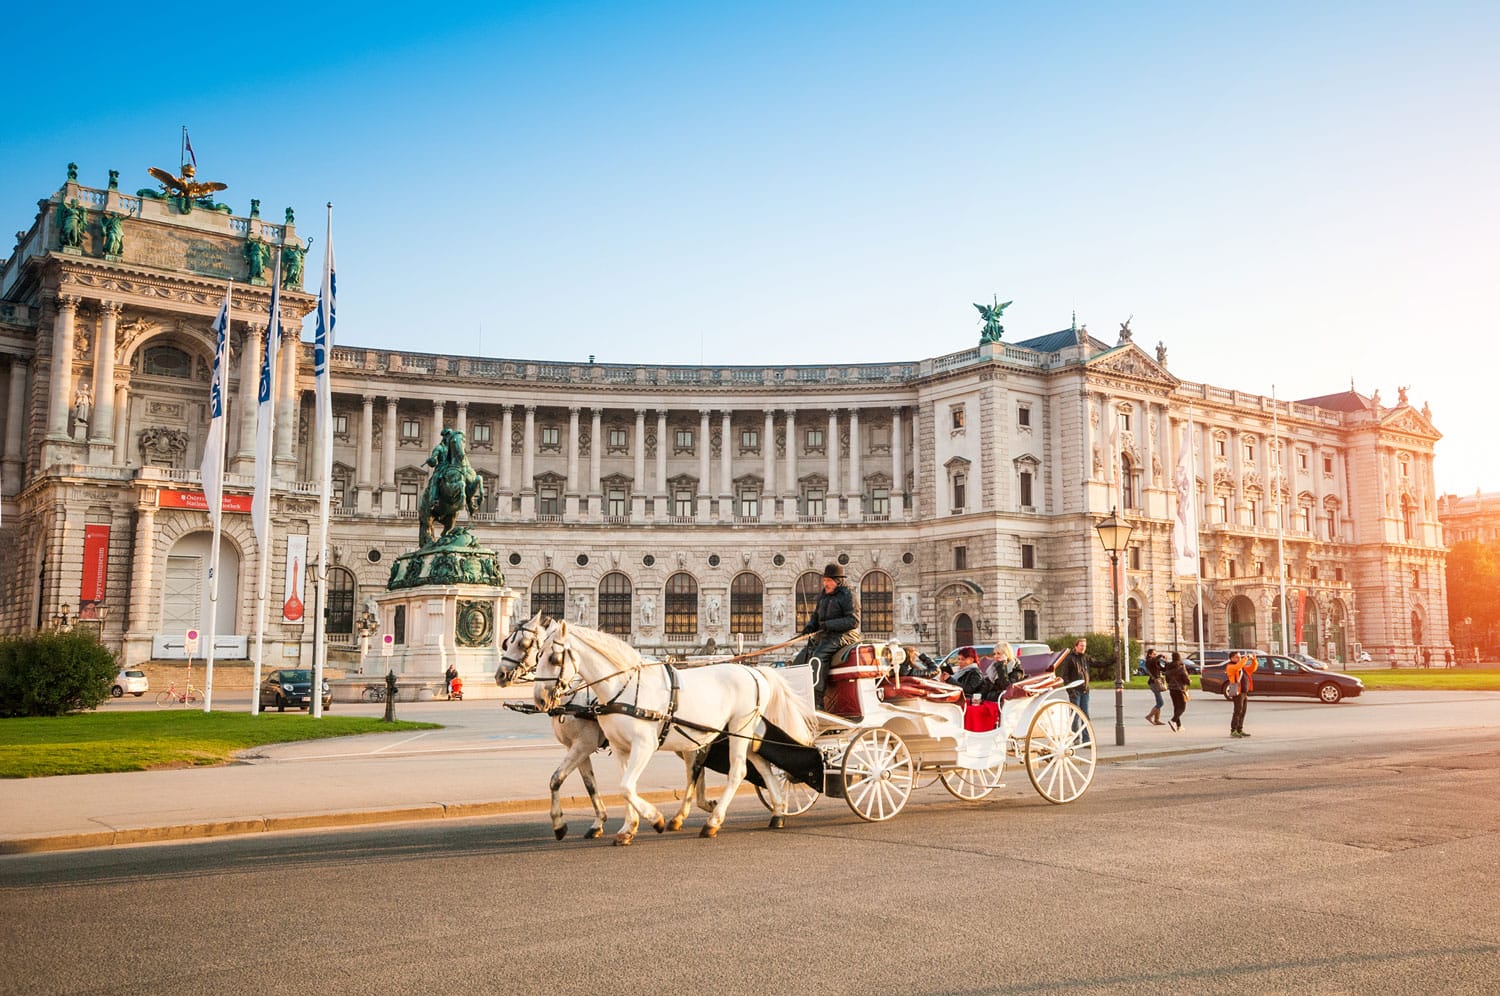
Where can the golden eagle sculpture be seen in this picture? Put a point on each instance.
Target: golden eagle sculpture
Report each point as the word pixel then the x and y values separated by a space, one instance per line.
pixel 184 187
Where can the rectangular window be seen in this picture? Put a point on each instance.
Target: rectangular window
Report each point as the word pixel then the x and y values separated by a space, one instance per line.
pixel 750 503
pixel 1031 629
pixel 750 440
pixel 1328 465
pixel 1124 421
pixel 548 500
pixel 406 498
pixel 1250 452
pixel 1135 557
pixel 1023 416
pixel 880 501
pixel 551 435
pixel 1333 524
pixel 618 502
pixel 617 439
pixel 1224 508
pixel 398 625
pixel 813 501
pixel 337 494
pixel 341 425
pixel 411 429
pixel 1338 574
pixel 960 558
pixel 1304 519
pixel 1220 448
pixel 960 492
pixel 815 440
pixel 956 413
pixel 1253 511
pixel 1028 556
pixel 481 431
pixel 682 503
pixel 1314 573
pixel 684 439
pixel 1301 461
pixel 1026 489
pixel 880 438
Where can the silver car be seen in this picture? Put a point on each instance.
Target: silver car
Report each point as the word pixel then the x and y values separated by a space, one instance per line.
pixel 129 680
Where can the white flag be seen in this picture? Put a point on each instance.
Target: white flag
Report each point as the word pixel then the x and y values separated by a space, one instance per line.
pixel 1185 529
pixel 265 418
pixel 213 448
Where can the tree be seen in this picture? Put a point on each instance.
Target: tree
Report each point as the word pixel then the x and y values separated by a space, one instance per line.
pixel 1473 580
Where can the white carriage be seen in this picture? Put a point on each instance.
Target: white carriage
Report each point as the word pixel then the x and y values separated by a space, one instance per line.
pixel 880 732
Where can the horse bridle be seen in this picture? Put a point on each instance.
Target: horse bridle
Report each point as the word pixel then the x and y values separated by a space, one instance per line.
pixel 526 663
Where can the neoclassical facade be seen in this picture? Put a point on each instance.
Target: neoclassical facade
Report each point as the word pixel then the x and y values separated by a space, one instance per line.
pixel 675 505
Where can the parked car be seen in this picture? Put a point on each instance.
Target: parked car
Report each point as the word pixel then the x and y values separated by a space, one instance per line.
pixel 1311 661
pixel 1277 675
pixel 1192 665
pixel 291 687
pixel 129 680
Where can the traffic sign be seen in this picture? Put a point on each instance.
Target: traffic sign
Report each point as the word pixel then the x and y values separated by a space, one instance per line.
pixel 387 644
pixel 190 642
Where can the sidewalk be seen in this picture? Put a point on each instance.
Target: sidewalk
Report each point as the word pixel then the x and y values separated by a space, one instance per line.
pixel 488 761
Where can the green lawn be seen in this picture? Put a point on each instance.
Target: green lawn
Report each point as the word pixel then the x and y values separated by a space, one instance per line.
pixel 91 743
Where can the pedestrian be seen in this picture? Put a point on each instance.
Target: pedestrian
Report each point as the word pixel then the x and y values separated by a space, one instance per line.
pixel 1237 672
pixel 448 678
pixel 834 623
pixel 1448 656
pixel 1427 657
pixel 1178 682
pixel 1156 670
pixel 1073 666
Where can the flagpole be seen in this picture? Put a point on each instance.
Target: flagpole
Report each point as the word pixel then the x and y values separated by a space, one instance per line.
pixel 213 489
pixel 323 347
pixel 1276 485
pixel 1197 532
pixel 265 430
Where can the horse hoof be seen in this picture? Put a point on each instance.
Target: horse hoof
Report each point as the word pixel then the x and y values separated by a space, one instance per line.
pixel 709 831
pixel 624 839
pixel 778 822
pixel 594 833
pixel 560 832
pixel 660 826
pixel 674 824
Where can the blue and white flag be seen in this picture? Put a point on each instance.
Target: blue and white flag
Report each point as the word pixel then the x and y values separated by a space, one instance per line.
pixel 323 342
pixel 265 419
pixel 213 447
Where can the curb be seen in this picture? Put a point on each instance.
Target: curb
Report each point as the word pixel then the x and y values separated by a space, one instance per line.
pixel 202 830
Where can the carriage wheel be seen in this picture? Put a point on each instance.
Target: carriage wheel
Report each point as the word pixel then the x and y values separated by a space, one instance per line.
pixel 878 775
pixel 973 784
pixel 799 795
pixel 1059 762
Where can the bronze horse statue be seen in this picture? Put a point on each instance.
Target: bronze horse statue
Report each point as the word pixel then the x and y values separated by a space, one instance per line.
pixel 453 486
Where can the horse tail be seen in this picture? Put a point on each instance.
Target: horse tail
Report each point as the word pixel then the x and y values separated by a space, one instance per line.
pixel 788 710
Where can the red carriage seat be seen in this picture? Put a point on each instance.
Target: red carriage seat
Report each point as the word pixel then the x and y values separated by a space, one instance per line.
pixel 912 687
pixel 1027 687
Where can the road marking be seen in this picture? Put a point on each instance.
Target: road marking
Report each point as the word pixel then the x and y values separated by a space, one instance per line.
pixel 398 743
pixel 428 750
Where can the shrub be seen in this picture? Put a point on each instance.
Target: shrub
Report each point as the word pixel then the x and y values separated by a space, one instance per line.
pixel 1100 653
pixel 54 673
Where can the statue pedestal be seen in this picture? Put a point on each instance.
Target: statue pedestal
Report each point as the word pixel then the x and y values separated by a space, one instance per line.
pixel 461 625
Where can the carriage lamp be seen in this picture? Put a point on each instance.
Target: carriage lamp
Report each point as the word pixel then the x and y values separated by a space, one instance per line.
pixel 62 622
pixel 1114 533
pixel 1174 599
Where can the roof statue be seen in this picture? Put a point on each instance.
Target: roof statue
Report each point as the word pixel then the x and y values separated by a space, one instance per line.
pixel 185 188
pixel 1125 332
pixel 1401 393
pixel 991 313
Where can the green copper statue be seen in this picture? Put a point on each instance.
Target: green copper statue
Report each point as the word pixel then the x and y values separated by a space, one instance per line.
pixel 256 255
pixel 72 219
pixel 453 486
pixel 991 313
pixel 114 236
pixel 291 267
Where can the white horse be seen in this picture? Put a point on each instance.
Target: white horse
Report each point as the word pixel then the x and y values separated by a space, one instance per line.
pixel 649 706
pixel 577 731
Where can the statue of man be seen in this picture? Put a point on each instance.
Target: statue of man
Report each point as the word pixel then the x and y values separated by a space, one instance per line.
pixel 83 403
pixel 72 217
pixel 256 255
pixel 291 267
pixel 114 238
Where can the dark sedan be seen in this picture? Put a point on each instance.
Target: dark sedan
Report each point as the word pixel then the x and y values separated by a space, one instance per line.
pixel 1278 675
pixel 291 687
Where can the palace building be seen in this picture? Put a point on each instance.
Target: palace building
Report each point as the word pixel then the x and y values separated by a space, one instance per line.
pixel 677 506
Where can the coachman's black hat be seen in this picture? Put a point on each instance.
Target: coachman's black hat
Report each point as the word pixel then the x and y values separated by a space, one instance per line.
pixel 833 571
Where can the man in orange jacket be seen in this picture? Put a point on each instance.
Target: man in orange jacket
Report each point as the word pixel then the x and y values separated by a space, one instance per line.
pixel 1239 670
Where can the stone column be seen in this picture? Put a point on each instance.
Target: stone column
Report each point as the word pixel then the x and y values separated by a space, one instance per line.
pixel 638 486
pixel 789 509
pixel 388 458
pixel 528 453
pixel 141 568
pixel 573 487
pixel 1086 409
pixel 461 420
pixel 250 347
pixel 898 467
pixel 60 398
pixel 364 455
pixel 661 459
pixel 507 486
pixel 856 484
pixel 15 411
pixel 768 466
pixel 831 496
pixel 437 424
pixel 288 406
pixel 726 455
pixel 102 427
pixel 122 418
pixel 705 484
pixel 596 450
pixel 916 452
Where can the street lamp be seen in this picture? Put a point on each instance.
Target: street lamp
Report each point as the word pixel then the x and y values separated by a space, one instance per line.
pixel 1115 535
pixel 1174 598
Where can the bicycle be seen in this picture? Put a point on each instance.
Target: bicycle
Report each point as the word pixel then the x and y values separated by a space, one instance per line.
pixel 172 696
pixel 374 693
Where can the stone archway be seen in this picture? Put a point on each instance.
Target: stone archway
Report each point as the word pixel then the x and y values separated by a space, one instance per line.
pixel 185 601
pixel 1241 619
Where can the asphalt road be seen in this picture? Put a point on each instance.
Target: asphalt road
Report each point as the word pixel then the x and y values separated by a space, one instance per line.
pixel 1262 867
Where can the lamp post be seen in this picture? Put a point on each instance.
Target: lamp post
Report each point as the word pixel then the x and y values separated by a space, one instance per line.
pixel 1115 535
pixel 1174 599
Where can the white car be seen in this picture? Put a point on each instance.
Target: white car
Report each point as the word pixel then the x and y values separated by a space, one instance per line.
pixel 132 681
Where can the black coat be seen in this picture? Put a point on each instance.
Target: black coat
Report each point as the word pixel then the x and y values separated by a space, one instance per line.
pixel 1073 667
pixel 836 613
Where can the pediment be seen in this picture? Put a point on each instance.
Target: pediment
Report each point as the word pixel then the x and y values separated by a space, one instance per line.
pixel 1410 421
pixel 1130 361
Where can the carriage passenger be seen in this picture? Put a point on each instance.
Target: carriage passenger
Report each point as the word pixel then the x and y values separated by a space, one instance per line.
pixel 834 623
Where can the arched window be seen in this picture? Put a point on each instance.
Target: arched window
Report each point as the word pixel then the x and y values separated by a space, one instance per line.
pixel 876 605
pixel 809 587
pixel 682 607
pixel 1132 623
pixel 614 604
pixel 1416 627
pixel 963 630
pixel 548 595
pixel 166 361
pixel 746 604
pixel 340 601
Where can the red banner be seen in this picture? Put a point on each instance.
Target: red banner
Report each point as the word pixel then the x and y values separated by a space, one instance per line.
pixel 194 499
pixel 95 570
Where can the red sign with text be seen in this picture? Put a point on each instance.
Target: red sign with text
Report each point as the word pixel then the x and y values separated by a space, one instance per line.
pixel 95 569
pixel 166 498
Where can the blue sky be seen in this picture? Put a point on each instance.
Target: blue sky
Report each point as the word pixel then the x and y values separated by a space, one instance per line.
pixel 1287 194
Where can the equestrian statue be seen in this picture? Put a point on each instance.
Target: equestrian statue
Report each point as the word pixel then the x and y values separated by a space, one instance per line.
pixel 453 486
